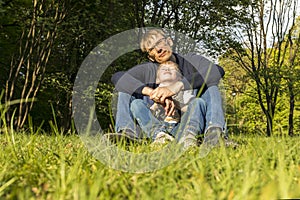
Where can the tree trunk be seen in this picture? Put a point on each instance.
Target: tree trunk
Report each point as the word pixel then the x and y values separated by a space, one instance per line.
pixel 269 123
pixel 291 112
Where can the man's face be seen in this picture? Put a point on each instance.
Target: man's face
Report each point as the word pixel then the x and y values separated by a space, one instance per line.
pixel 167 73
pixel 159 49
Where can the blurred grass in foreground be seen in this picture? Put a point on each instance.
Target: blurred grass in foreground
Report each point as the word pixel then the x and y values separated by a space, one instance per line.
pixel 45 166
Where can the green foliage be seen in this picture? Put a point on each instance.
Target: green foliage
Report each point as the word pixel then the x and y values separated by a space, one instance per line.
pixel 244 113
pixel 103 99
pixel 269 67
pixel 56 91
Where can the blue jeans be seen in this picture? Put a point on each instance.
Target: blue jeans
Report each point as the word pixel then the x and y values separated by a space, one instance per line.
pixel 214 108
pixel 193 120
pixel 214 111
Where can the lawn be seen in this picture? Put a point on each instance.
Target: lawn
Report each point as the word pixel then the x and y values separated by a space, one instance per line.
pixel 56 166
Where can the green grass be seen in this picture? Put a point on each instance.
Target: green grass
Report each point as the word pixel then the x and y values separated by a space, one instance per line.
pixel 44 166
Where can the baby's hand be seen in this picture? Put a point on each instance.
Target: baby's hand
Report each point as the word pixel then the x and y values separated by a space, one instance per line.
pixel 169 107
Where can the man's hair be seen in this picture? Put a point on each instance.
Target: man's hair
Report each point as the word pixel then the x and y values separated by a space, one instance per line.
pixel 149 37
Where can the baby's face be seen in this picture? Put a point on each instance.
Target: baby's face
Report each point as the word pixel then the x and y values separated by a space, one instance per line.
pixel 167 73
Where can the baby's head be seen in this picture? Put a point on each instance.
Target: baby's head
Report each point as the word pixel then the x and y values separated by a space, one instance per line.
pixel 168 72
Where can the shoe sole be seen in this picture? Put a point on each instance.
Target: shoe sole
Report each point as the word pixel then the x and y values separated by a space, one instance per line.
pixel 163 139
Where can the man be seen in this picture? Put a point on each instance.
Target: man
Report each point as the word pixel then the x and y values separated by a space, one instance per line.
pixel 199 74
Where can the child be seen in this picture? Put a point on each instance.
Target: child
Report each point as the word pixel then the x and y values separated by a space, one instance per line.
pixel 154 122
pixel 167 74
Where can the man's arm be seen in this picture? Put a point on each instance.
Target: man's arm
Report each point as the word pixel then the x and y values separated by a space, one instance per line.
pixel 135 79
pixel 141 79
pixel 198 70
pixel 208 77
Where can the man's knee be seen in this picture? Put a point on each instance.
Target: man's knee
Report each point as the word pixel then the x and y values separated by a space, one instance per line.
pixel 136 104
pixel 198 102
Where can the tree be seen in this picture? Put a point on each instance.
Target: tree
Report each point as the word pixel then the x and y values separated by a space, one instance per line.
pixel 86 25
pixel 291 74
pixel 242 115
pixel 264 50
pixel 208 22
pixel 54 38
pixel 28 66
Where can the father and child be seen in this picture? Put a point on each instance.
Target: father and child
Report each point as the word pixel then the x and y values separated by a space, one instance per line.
pixel 171 97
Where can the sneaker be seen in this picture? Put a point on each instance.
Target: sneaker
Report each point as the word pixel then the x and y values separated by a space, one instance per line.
pixel 212 136
pixel 124 135
pixel 211 139
pixel 162 138
pixel 188 140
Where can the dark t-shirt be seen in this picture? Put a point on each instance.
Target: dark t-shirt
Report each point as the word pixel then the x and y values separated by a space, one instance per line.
pixel 197 72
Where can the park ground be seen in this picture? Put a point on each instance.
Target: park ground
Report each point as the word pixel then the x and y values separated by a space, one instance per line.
pixel 56 166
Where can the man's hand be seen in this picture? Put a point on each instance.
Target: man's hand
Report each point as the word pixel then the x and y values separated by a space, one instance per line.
pixel 161 93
